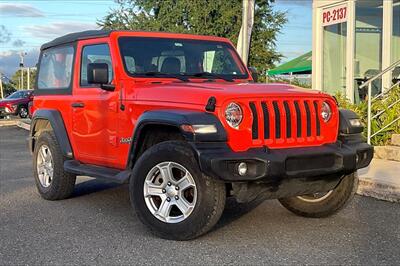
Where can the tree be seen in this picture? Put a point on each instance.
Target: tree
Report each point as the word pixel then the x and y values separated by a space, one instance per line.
pixel 208 17
pixel 16 79
pixel 8 88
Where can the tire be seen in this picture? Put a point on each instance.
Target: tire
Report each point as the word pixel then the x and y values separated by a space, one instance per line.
pixel 325 205
pixel 208 195
pixel 61 184
pixel 23 112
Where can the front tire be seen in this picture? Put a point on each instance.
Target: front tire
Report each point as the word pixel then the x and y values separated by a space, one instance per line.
pixel 23 112
pixel 320 205
pixel 52 182
pixel 171 196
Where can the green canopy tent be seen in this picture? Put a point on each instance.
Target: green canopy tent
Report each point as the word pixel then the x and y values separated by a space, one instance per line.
pixel 299 65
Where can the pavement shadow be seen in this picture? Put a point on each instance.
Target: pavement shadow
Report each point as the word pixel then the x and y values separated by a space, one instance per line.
pixel 92 186
pixel 234 210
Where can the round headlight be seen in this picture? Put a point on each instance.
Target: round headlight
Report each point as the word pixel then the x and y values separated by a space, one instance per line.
pixel 326 112
pixel 233 115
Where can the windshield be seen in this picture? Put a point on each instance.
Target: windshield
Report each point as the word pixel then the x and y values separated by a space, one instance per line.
pixel 164 57
pixel 15 95
pixel 19 95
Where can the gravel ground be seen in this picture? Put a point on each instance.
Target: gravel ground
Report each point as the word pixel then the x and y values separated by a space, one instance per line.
pixel 97 226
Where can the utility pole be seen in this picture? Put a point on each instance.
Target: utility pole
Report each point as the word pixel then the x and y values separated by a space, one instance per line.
pixel 1 86
pixel 28 79
pixel 21 66
pixel 243 45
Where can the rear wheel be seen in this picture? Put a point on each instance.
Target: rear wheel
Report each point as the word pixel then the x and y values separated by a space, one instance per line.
pixel 326 203
pixel 52 182
pixel 170 194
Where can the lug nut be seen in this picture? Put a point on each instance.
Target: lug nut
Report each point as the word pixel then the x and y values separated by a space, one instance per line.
pixel 168 199
pixel 169 183
pixel 177 188
pixel 176 197
pixel 163 191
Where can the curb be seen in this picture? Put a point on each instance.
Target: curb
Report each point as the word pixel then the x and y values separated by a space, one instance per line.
pixel 7 123
pixel 370 188
pixel 23 125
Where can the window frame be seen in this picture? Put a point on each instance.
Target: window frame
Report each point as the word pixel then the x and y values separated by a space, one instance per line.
pixel 93 86
pixel 56 91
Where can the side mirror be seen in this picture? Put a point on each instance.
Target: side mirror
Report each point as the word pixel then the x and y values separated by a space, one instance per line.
pixel 254 74
pixel 97 73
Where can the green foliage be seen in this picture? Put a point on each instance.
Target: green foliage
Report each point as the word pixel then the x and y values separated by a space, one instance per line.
pixel 8 89
pixel 383 138
pixel 294 81
pixel 206 17
pixel 16 79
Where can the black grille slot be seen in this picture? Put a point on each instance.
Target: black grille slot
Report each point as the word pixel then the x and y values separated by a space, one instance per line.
pixel 266 120
pixel 254 127
pixel 288 120
pixel 308 114
pixel 277 120
pixel 298 118
pixel 317 118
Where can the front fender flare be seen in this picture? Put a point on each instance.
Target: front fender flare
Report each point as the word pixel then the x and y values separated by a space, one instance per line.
pixel 176 118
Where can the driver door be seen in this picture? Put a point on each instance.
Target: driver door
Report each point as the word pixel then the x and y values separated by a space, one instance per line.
pixel 94 110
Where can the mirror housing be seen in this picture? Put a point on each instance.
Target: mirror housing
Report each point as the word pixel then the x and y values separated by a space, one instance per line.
pixel 97 73
pixel 254 74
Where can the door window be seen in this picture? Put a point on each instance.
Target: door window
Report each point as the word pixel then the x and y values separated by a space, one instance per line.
pixel 99 53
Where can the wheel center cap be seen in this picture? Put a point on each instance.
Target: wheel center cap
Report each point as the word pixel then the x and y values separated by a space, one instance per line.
pixel 171 191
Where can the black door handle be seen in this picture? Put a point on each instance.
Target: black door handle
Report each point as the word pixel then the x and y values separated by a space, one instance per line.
pixel 78 105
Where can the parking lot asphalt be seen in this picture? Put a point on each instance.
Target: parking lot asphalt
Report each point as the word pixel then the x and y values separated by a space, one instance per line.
pixel 97 226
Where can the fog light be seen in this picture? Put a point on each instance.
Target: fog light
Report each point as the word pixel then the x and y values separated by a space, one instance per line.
pixel 355 122
pixel 242 168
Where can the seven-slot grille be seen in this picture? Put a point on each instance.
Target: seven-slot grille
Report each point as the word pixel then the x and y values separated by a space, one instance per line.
pixel 286 120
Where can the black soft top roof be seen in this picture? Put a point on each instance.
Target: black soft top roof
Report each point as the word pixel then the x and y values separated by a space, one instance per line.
pixel 73 37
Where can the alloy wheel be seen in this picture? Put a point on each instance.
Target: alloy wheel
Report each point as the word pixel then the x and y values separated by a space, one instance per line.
pixel 44 166
pixel 315 197
pixel 170 192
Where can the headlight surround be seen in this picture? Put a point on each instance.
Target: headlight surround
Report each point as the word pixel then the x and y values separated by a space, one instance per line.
pixel 326 112
pixel 233 115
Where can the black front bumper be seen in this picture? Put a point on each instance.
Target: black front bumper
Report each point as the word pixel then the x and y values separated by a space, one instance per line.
pixel 264 166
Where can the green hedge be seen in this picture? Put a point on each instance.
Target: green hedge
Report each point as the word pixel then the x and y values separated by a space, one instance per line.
pixel 383 138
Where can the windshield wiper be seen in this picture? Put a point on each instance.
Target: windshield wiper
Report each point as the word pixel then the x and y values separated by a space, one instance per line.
pixel 166 75
pixel 210 75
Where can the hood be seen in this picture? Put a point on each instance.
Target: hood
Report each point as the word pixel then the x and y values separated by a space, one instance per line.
pixel 5 102
pixel 199 93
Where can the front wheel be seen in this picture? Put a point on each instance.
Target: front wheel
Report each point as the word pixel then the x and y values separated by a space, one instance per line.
pixel 170 194
pixel 324 204
pixel 23 112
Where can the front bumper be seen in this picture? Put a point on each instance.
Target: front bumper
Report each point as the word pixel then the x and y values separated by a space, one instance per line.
pixel 265 166
pixel 4 111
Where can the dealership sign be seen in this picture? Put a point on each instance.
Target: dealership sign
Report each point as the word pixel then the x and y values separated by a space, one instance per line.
pixel 334 15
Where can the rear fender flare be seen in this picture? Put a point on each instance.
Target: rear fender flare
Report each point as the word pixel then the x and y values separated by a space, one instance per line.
pixel 57 123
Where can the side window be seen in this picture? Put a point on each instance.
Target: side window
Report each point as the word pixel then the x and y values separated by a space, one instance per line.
pixel 55 70
pixel 98 53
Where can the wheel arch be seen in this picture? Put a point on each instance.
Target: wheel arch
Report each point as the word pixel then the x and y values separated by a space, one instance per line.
pixel 171 121
pixel 48 119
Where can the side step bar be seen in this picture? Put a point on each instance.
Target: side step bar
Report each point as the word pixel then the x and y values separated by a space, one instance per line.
pixel 110 174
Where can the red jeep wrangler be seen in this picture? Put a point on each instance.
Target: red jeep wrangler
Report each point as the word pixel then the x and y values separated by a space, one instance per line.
pixel 180 118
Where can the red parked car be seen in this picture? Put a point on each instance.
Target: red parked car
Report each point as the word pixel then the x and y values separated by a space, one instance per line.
pixel 181 119
pixel 16 104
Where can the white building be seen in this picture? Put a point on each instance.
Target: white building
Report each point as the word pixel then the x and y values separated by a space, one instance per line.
pixel 353 40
